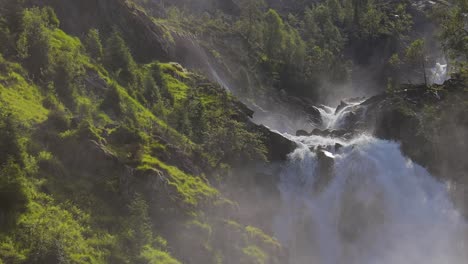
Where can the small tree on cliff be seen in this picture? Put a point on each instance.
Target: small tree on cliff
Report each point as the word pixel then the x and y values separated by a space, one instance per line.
pixel 416 55
pixel 93 44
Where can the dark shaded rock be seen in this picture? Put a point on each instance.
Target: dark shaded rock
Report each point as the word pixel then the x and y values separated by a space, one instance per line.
pixel 341 107
pixel 278 146
pixel 314 114
pixel 426 124
pixel 338 146
pixel 145 38
pixel 339 133
pixel 302 133
pixel 350 120
pixel 242 108
pixel 322 133
pixel 324 169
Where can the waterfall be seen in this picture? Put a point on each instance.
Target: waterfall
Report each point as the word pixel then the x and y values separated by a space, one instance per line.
pixel 439 73
pixel 361 201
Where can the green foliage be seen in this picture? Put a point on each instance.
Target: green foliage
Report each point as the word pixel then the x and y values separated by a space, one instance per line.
pixel 13 198
pixel 9 252
pixel 193 190
pixel 231 142
pixel 256 254
pixel 150 255
pixel 66 71
pixel 93 44
pixel 371 22
pixel 118 58
pixel 250 19
pixel 415 51
pixel 256 233
pixel 112 101
pixel 9 139
pixel 34 43
pixel 452 31
pixel 19 97
pixel 52 234
pixel 6 45
pixel 395 61
pixel 274 35
pixel 139 231
pixel 416 54
pixel 138 117
pixel 151 91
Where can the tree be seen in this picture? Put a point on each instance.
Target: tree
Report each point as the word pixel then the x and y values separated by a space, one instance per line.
pixel 336 9
pixel 12 12
pixel 93 44
pixel 251 14
pixel 274 35
pixel 358 8
pixel 151 91
pixel 415 54
pixel 453 31
pixel 9 144
pixel 66 70
pixel 34 43
pixel 371 22
pixel 13 197
pixel 6 37
pixel 118 58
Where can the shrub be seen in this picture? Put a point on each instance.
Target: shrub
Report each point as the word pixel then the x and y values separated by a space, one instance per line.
pixel 13 198
pixel 93 44
pixel 112 101
pixel 118 58
pixel 34 42
pixel 9 145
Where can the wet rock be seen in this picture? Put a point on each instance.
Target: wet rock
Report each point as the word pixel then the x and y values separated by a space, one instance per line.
pixel 322 133
pixel 338 146
pixel 302 133
pixel 341 107
pixel 326 161
pixel 314 114
pixel 338 133
pixel 278 146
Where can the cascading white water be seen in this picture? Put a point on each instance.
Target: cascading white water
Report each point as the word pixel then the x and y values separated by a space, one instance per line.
pixel 439 73
pixel 375 207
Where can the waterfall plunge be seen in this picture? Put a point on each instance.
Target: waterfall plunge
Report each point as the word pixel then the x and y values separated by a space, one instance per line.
pixel 377 208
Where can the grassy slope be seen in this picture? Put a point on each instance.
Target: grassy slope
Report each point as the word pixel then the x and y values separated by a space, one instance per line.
pixel 57 222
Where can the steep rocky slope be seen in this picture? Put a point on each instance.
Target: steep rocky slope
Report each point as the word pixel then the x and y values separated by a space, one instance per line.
pixel 97 168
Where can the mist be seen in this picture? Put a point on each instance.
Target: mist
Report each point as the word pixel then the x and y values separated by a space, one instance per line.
pixel 375 204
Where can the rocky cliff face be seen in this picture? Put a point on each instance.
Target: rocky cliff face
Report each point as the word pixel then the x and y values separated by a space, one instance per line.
pixel 148 40
pixel 430 123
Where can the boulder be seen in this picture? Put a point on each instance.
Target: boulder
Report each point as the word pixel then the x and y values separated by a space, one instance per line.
pixel 322 133
pixel 302 133
pixel 278 146
pixel 338 133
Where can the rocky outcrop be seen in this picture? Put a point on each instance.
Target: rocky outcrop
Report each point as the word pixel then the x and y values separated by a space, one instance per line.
pixel 278 146
pixel 431 125
pixel 148 40
pixel 337 133
pixel 341 106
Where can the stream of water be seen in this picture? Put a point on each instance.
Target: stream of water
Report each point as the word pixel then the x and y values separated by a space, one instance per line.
pixel 373 206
